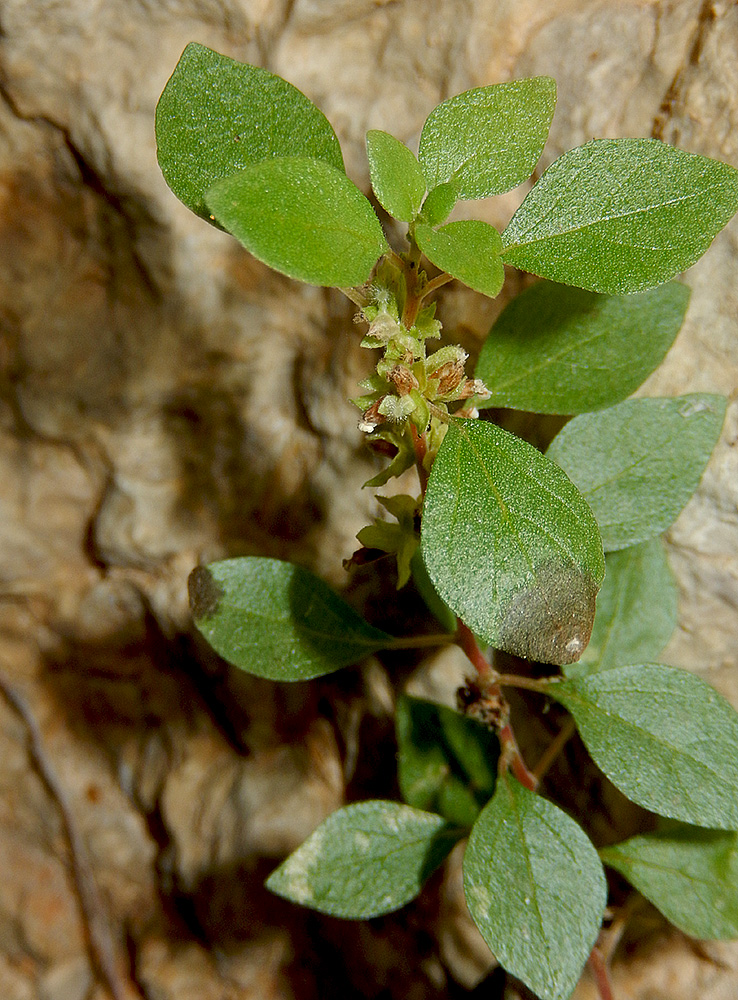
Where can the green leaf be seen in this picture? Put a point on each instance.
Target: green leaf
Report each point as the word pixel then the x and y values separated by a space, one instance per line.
pixel 277 620
pixel 664 737
pixel 424 585
pixel 437 206
pixel 469 250
pixel 557 349
pixel 365 860
pixel 639 462
pixel 535 887
pixel 621 215
pixel 636 610
pixel 397 178
pixel 510 544
pixel 689 874
pixel 302 217
pixel 488 140
pixel 447 761
pixel 217 116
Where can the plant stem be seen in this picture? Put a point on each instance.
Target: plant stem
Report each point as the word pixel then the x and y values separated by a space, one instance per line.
pixel 420 444
pixel 555 747
pixel 601 975
pixel 465 639
pixel 518 681
pixel 420 641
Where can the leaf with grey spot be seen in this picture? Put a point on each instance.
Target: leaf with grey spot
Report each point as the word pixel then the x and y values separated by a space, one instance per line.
pixel 365 860
pixel 277 620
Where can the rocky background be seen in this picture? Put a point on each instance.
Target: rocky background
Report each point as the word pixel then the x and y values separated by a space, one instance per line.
pixel 165 399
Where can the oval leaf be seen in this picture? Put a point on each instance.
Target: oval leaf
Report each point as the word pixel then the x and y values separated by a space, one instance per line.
pixel 469 250
pixel 535 888
pixel 302 217
pixel 638 463
pixel 621 215
pixel 636 610
pixel 557 349
pixel 277 620
pixel 488 140
pixel 447 761
pixel 510 544
pixel 217 116
pixel 666 739
pixel 689 874
pixel 397 178
pixel 437 206
pixel 365 860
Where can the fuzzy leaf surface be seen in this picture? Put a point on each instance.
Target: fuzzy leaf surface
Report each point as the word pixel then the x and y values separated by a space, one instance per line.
pixel 621 215
pixel 688 873
pixel 557 349
pixel 397 178
pixel 216 116
pixel 301 217
pixel 535 888
pixel 636 610
pixel 447 761
pixel 638 463
pixel 365 860
pixel 469 250
pixel 488 140
pixel 664 737
pixel 510 545
pixel 276 620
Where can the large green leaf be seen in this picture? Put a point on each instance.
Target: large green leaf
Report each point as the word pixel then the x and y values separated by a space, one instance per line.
pixel 636 610
pixel 510 544
pixel 469 250
pixel 621 215
pixel 488 140
pixel 639 462
pixel 664 737
pixel 688 873
pixel 277 620
pixel 397 178
pixel 557 349
pixel 447 761
pixel 365 860
pixel 535 887
pixel 302 217
pixel 216 116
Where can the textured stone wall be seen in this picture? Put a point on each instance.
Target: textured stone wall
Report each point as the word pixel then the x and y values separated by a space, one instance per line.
pixel 165 399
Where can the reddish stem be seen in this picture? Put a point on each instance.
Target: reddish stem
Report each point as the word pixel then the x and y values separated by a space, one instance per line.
pixel 514 758
pixel 601 975
pixel 465 638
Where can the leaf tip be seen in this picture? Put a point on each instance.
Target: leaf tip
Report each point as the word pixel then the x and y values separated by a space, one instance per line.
pixel 204 592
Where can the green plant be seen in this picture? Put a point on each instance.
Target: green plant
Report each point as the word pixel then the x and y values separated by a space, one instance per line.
pixel 505 543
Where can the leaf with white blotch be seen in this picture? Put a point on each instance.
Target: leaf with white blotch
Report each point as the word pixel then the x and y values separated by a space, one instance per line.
pixel 638 463
pixel 535 888
pixel 557 349
pixel 664 737
pixel 365 860
pixel 301 217
pixel 510 545
pixel 488 140
pixel 397 178
pixel 621 215
pixel 277 620
pixel 688 873
pixel 636 610
pixel 217 116
pixel 469 250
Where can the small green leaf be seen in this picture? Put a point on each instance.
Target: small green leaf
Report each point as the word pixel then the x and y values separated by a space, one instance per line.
pixel 689 874
pixel 666 739
pixel 488 140
pixel 397 178
pixel 447 761
pixel 636 610
pixel 365 860
pixel 638 463
pixel 510 544
pixel 437 206
pixel 535 888
pixel 302 217
pixel 277 620
pixel 557 349
pixel 469 250
pixel 217 116
pixel 621 215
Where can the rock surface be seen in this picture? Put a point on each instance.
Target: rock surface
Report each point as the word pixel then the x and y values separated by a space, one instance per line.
pixel 166 399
